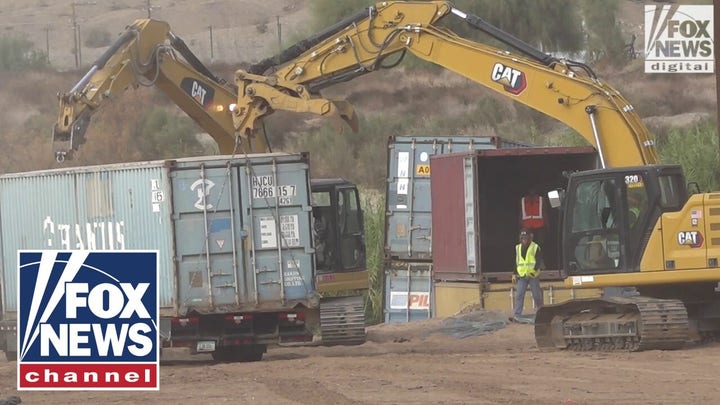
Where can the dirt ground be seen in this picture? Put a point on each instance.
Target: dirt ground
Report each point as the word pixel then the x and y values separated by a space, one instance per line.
pixel 423 363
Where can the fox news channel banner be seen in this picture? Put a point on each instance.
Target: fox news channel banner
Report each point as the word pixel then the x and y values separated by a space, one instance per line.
pixel 87 320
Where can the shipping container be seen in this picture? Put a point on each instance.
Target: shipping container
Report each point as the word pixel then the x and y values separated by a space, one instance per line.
pixel 227 245
pixel 408 224
pixel 199 213
pixel 408 292
pixel 476 208
pixel 452 297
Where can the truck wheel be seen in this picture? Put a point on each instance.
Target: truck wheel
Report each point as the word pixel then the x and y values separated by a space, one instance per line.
pixel 11 356
pixel 252 353
pixel 222 355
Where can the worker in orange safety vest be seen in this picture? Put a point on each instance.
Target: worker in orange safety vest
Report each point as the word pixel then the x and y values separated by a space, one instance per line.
pixel 534 215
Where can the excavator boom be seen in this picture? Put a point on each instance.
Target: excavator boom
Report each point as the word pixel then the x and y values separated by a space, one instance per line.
pixel 568 91
pixel 149 54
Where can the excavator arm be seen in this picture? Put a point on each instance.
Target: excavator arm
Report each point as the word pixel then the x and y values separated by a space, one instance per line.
pixel 568 91
pixel 149 54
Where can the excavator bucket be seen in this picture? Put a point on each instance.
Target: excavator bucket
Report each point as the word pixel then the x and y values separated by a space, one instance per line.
pixel 346 111
pixel 66 140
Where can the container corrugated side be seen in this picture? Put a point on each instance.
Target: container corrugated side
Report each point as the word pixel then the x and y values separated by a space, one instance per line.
pixel 408 293
pixel 233 232
pixel 112 207
pixel 243 231
pixel 408 225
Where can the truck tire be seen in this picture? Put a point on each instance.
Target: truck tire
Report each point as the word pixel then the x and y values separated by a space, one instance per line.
pixel 11 356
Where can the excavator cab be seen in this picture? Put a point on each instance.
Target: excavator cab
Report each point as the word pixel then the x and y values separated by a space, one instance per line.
pixel 609 215
pixel 342 276
pixel 339 235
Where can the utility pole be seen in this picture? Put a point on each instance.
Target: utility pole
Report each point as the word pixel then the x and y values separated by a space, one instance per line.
pixel 76 31
pixel 79 42
pixel 279 33
pixel 75 36
pixel 212 52
pixel 47 44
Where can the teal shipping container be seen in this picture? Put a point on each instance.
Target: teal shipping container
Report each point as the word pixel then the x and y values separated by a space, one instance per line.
pixel 408 211
pixel 225 242
pixel 408 292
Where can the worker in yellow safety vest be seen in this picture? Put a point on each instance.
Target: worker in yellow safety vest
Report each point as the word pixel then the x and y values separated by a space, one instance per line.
pixel 528 259
pixel 635 205
pixel 533 215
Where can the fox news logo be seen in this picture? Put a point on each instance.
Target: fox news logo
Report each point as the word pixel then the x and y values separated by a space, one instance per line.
pixel 679 39
pixel 88 320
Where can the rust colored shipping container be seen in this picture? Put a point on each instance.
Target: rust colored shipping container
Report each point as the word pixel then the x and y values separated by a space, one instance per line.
pixel 476 208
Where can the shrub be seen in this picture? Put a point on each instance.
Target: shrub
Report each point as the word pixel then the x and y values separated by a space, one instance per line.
pixel 162 135
pixel 97 38
pixel 262 27
pixel 17 53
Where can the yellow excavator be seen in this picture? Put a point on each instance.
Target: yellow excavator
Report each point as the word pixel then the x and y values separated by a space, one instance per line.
pixel 149 54
pixel 629 223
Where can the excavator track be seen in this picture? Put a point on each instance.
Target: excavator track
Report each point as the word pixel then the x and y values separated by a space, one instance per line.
pixel 613 324
pixel 342 321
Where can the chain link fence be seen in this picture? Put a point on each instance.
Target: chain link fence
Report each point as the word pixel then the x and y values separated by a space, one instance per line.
pixel 76 38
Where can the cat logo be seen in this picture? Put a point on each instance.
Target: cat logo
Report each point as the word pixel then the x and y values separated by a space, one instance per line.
pixel 201 92
pixel 513 80
pixel 694 239
pixel 198 92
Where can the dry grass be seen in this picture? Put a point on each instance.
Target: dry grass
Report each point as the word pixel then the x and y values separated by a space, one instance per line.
pixel 235 34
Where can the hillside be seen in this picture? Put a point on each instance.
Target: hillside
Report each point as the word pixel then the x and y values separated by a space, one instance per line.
pixel 389 102
pixel 243 30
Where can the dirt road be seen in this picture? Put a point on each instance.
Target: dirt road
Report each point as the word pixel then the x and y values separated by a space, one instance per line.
pixel 421 363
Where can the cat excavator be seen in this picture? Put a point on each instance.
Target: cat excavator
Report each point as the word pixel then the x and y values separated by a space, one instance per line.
pixel 149 54
pixel 630 223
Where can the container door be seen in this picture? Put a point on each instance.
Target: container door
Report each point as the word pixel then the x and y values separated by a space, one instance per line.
pixel 455 223
pixel 206 223
pixel 408 292
pixel 408 228
pixel 277 214
pixel 409 231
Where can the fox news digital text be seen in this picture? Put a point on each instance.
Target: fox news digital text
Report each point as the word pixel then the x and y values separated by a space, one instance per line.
pixel 87 320
pixel 679 38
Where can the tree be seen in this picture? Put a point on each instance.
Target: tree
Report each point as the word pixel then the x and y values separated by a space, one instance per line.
pixel 604 38
pixel 551 25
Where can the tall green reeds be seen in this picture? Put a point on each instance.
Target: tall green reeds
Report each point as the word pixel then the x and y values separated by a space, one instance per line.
pixel 374 208
pixel 696 150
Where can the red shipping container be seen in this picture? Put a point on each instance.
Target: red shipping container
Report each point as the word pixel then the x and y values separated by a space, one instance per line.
pixel 476 208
